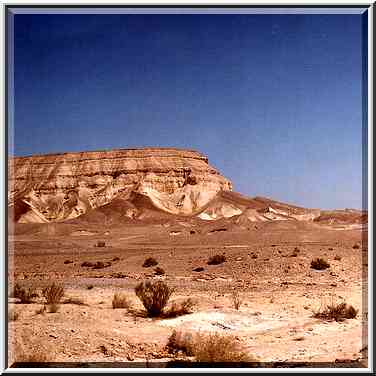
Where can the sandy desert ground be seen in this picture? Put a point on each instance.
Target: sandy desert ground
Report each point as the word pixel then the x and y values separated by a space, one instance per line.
pixel 267 263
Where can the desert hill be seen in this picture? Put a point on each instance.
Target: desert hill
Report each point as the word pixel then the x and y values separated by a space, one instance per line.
pixel 150 184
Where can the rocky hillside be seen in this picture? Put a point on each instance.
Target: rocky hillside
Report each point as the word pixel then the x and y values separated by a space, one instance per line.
pixel 142 184
pixel 56 187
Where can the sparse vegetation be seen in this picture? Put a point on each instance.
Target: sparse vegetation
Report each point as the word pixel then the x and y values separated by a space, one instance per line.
pixel 209 348
pixel 120 300
pixel 37 354
pixel 159 271
pixel 319 264
pixel 101 265
pixel 150 261
pixel 337 312
pixel 179 309
pixel 236 299
pixel 13 315
pixel 53 293
pixel 53 307
pixel 87 264
pixel 25 294
pixel 219 348
pixel 74 300
pixel 216 260
pixel 154 296
pixel 41 310
pixel 179 341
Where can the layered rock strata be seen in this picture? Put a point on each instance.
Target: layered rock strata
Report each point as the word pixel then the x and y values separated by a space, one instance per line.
pixel 54 187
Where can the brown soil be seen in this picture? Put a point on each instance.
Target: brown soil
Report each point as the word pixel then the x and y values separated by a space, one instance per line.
pixel 279 290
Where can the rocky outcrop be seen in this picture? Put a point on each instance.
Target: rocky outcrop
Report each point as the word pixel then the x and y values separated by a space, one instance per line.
pixel 54 187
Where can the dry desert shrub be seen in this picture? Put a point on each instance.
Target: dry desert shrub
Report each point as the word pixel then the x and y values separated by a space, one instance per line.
pixel 215 347
pixel 53 293
pixel 87 264
pixel 178 309
pixel 25 294
pixel 13 315
pixel 53 307
pixel 101 265
pixel 159 271
pixel 74 300
pixel 41 310
pixel 209 348
pixel 179 341
pixel 120 300
pixel 319 264
pixel 337 312
pixel 36 354
pixel 150 261
pixel 216 260
pixel 154 296
pixel 236 299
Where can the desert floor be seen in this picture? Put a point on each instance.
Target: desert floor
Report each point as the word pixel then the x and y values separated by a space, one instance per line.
pixel 278 289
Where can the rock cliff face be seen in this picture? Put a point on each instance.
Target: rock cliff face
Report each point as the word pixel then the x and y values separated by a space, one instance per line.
pixel 56 187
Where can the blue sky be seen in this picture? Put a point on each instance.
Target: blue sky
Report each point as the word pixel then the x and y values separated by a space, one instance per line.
pixel 274 101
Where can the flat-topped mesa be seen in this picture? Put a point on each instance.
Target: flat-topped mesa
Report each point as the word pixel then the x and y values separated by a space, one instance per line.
pixel 52 187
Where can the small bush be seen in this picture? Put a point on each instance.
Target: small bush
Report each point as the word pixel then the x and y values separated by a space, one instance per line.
pixel 74 300
pixel 150 261
pixel 154 296
pixel 37 354
pixel 319 264
pixel 53 307
pixel 25 294
pixel 13 315
pixel 179 341
pixel 101 265
pixel 120 300
pixel 159 271
pixel 216 260
pixel 236 299
pixel 53 293
pixel 87 264
pixel 337 312
pixel 41 310
pixel 217 348
pixel 179 309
